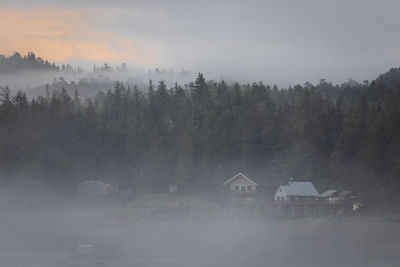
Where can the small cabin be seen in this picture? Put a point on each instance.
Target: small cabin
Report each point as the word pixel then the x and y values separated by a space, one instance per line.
pixel 296 191
pixel 96 187
pixel 240 183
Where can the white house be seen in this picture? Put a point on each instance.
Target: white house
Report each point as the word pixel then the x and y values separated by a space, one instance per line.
pixel 295 191
pixel 240 183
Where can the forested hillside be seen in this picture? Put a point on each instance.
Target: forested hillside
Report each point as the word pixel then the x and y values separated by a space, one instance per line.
pixel 197 135
pixel 28 62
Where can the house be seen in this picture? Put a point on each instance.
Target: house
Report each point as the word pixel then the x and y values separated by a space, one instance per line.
pixel 330 196
pixel 96 187
pixel 240 183
pixel 328 193
pixel 240 190
pixel 342 196
pixel 296 191
pixel 301 199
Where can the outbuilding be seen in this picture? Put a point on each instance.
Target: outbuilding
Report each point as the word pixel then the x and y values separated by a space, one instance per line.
pixel 96 187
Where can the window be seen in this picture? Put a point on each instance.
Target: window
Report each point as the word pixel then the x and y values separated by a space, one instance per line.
pixel 237 188
pixel 243 188
pixel 249 188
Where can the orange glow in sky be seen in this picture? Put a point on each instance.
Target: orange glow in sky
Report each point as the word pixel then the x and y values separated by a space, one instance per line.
pixel 68 34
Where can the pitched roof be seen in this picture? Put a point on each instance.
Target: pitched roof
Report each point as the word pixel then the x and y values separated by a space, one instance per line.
pixel 299 189
pixel 328 193
pixel 238 176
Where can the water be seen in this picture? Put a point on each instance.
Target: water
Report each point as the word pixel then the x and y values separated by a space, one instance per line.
pixel 129 236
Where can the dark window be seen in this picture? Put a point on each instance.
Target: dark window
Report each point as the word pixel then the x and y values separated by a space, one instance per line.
pixel 249 187
pixel 243 188
pixel 237 188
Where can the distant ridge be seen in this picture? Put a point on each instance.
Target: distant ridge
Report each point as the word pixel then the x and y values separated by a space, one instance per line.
pixel 391 78
pixel 17 62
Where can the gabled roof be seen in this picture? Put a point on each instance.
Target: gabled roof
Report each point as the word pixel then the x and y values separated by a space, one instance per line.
pixel 328 193
pixel 238 176
pixel 299 189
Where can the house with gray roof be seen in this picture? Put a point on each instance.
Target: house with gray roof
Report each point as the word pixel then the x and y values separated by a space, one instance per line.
pixel 296 191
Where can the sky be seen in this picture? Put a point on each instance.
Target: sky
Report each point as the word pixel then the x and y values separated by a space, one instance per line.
pixel 277 41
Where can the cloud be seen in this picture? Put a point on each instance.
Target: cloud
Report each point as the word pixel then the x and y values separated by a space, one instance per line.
pixel 70 34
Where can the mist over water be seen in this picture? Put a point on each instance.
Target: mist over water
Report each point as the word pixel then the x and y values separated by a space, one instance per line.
pixel 41 228
pixel 45 222
pixel 120 153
